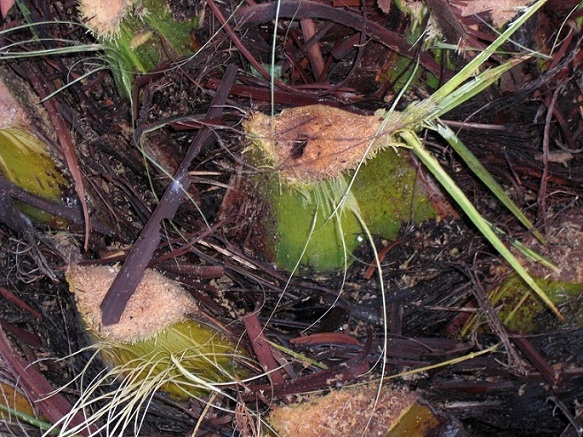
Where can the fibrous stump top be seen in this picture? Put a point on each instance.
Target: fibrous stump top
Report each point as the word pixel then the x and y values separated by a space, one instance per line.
pixel 157 303
pixel 307 144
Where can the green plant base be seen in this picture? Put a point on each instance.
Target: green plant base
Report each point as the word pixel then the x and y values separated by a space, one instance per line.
pixel 306 229
pixel 528 317
pixel 25 161
pixel 183 360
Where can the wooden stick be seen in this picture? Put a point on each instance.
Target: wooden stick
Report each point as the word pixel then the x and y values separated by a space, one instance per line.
pixel 132 270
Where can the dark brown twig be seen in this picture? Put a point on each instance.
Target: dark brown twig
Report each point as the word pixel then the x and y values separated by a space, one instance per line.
pixel 542 192
pixel 262 349
pixel 38 389
pixel 132 270
pixel 288 96
pixel 493 320
pixel 53 108
pixel 554 377
pixel 298 10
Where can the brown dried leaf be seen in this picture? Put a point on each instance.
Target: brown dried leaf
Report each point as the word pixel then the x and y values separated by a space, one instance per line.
pixel 5 6
pixel 384 5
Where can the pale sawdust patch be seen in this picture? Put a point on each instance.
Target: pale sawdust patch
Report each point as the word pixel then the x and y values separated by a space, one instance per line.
pixel 103 16
pixel 346 412
pixel 157 303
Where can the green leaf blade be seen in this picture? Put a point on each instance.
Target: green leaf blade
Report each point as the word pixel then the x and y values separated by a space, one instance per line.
pixel 483 226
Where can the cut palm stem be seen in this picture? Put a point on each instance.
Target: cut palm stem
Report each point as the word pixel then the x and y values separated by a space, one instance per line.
pixel 138 36
pixel 161 322
pixel 163 342
pixel 316 200
pixel 321 144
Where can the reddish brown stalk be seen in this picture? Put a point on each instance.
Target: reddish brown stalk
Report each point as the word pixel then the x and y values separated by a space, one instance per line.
pixel 326 338
pixel 542 192
pixel 372 267
pixel 289 96
pixel 191 270
pixel 554 377
pixel 261 348
pixel 10 296
pixel 132 270
pixel 52 406
pixel 53 109
pixel 313 52
pixel 24 337
pixel 263 94
pixel 341 373
pixel 295 9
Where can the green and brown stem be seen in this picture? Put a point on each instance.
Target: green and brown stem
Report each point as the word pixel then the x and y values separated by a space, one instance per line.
pixel 138 36
pixel 320 185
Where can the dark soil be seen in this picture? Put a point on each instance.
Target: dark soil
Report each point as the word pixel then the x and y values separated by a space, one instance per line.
pixel 436 275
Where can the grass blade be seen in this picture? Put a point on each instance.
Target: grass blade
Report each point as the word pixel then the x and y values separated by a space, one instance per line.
pixel 472 88
pixel 483 226
pixel 470 69
pixel 478 169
